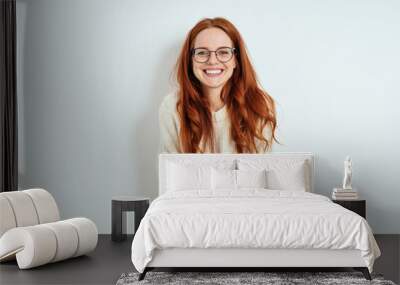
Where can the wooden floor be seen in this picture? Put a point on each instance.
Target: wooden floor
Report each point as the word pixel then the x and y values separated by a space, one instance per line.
pixel 111 259
pixel 102 266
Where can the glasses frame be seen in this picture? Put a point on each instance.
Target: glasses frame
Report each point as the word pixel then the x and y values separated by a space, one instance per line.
pixel 233 50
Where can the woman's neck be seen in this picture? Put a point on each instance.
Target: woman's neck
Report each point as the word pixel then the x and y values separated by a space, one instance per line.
pixel 214 97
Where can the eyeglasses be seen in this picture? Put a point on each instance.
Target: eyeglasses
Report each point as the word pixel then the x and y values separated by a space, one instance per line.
pixel 223 54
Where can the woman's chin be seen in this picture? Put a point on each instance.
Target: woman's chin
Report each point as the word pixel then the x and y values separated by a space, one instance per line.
pixel 213 84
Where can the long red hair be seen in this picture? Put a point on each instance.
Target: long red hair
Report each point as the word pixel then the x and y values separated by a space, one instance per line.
pixel 249 107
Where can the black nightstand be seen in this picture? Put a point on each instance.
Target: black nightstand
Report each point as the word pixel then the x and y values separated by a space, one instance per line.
pixel 122 204
pixel 357 206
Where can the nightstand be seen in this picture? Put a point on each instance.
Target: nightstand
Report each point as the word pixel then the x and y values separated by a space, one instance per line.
pixel 357 206
pixel 122 204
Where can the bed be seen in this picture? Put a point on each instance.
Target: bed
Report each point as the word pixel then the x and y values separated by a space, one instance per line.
pixel 247 211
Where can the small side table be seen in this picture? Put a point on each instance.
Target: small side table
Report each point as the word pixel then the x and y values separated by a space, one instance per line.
pixel 357 206
pixel 119 206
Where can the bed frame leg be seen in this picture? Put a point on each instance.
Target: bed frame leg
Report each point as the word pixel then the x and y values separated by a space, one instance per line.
pixel 143 274
pixel 364 271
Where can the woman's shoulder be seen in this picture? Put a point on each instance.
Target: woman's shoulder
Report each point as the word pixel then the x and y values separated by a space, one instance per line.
pixel 168 104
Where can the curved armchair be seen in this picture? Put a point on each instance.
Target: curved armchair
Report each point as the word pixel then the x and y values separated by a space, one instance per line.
pixel 32 233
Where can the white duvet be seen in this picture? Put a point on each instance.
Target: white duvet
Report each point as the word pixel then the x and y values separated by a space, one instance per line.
pixel 250 218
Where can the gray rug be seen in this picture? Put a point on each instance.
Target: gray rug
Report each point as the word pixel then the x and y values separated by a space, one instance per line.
pixel 269 278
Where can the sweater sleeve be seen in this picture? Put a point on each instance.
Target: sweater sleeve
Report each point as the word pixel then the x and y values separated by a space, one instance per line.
pixel 169 133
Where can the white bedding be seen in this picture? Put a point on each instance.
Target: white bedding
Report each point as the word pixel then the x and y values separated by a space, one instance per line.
pixel 250 218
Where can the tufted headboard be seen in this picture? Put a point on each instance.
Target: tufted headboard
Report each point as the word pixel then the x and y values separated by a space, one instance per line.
pixel 223 160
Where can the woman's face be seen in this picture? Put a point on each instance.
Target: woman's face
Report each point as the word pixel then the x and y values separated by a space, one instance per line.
pixel 213 73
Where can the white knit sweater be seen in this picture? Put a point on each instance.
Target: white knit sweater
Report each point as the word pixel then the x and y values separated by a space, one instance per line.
pixel 170 126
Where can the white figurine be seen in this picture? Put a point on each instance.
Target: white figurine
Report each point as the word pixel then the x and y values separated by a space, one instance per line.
pixel 347 174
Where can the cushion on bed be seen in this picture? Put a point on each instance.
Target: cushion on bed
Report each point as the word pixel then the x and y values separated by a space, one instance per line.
pixel 282 174
pixel 223 179
pixel 187 177
pixel 251 178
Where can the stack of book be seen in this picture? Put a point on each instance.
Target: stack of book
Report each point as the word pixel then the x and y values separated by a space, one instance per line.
pixel 344 194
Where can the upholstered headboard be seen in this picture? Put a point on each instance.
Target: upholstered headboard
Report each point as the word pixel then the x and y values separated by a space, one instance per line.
pixel 223 160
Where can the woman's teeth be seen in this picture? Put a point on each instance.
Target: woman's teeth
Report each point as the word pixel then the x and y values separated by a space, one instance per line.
pixel 213 72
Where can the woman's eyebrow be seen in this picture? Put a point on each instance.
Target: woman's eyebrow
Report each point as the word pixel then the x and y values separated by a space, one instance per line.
pixel 216 48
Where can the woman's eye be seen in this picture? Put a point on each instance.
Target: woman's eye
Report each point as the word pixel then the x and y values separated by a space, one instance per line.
pixel 202 53
pixel 223 52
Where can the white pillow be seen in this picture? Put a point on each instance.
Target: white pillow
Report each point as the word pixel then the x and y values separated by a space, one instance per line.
pixel 223 179
pixel 282 174
pixel 187 177
pixel 289 179
pixel 251 178
pixel 236 179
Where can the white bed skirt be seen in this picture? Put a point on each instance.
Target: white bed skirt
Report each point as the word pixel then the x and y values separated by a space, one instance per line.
pixel 236 257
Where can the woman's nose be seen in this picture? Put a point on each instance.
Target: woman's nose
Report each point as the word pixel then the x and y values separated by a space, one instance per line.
pixel 213 58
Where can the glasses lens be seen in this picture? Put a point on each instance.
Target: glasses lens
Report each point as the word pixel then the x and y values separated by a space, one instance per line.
pixel 201 55
pixel 224 54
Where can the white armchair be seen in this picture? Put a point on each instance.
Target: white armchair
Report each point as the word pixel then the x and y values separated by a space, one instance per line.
pixel 32 233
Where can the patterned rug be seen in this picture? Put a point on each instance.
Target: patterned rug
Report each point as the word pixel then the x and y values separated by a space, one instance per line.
pixel 244 278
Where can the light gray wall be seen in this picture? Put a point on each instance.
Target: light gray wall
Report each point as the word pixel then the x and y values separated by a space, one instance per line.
pixel 93 73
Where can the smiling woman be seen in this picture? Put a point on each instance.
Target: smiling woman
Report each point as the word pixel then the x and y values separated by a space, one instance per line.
pixel 219 107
